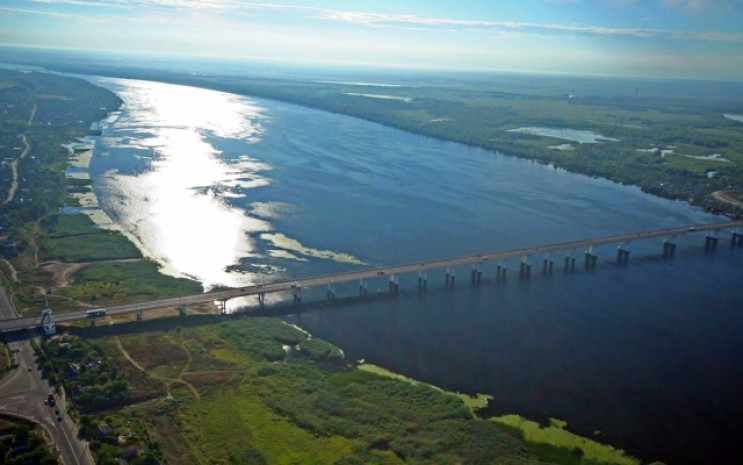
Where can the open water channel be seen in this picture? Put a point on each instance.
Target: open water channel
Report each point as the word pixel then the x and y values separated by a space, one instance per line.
pixel 234 190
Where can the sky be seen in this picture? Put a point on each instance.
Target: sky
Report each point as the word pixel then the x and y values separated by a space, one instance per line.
pixel 691 39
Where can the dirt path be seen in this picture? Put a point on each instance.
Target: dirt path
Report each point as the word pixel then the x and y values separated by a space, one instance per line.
pixel 727 197
pixel 11 270
pixel 31 118
pixel 165 380
pixel 14 163
pixel 14 169
pixel 61 272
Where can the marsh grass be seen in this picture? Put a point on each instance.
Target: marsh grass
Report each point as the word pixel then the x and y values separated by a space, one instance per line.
pixel 74 238
pixel 554 442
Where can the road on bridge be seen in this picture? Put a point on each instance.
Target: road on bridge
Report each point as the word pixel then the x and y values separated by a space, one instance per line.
pixel 295 286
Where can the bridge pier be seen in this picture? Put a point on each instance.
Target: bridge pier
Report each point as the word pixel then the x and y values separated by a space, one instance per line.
pixel 500 272
pixel 591 260
pixel 139 316
pixel 262 299
pixel 331 292
pixel 476 276
pixel 737 239
pixel 394 286
pixel 181 311
pixel 363 290
pixel 422 281
pixel 525 268
pixel 622 254
pixel 449 277
pixel 569 263
pixel 669 249
pixel 297 299
pixel 547 266
pixel 710 242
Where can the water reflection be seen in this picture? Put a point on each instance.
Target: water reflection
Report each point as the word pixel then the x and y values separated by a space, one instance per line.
pixel 177 201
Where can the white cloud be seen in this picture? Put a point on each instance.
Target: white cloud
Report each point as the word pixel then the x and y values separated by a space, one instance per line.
pixel 231 10
pixel 699 5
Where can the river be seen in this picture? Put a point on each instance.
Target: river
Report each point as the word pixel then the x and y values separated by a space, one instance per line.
pixel 233 190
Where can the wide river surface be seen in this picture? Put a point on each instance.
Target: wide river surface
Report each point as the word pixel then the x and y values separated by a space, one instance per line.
pixel 233 190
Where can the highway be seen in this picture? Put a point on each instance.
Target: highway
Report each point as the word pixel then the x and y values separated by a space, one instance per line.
pixel 295 285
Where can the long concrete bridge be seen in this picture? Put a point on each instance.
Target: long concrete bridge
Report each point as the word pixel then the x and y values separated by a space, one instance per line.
pixel 544 252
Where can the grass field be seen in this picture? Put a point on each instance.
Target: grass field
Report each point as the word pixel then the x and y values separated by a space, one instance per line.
pixel 570 444
pixel 74 238
pixel 111 281
pixel 243 391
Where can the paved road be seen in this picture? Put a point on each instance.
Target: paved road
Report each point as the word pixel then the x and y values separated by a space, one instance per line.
pixel 22 394
pixel 295 286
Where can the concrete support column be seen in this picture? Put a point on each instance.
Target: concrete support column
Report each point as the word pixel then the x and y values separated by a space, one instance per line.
pixel 449 277
pixel 525 268
pixel 569 263
pixel 710 242
pixel 476 275
pixel 736 239
pixel 422 281
pixel 363 289
pixel 622 255
pixel 500 273
pixel 394 286
pixel 139 316
pixel 547 266
pixel 591 260
pixel 331 292
pixel 297 299
pixel 182 311
pixel 669 249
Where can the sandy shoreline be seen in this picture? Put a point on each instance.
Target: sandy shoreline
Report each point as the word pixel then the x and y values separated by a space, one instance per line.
pixel 79 160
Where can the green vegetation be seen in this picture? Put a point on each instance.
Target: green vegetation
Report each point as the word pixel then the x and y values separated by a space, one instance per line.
pixel 245 391
pixel 111 282
pixel 554 443
pixel 74 238
pixel 93 384
pixel 7 361
pixel 481 109
pixel 241 389
pixel 23 442
pixel 88 378
pixel 253 390
pixel 472 402
pixel 47 250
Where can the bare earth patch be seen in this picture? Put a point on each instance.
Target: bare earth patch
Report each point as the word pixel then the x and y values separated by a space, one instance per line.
pixel 59 272
pixel 730 197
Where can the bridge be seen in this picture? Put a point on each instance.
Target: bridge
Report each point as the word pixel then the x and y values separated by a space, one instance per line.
pixel 392 272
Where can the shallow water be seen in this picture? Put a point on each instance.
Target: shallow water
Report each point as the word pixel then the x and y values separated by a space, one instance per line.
pixel 253 191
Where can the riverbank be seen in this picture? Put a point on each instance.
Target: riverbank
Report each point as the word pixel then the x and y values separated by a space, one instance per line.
pixel 469 110
pixel 79 164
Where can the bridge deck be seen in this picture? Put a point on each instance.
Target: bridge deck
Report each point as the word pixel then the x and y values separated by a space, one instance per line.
pixel 296 284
